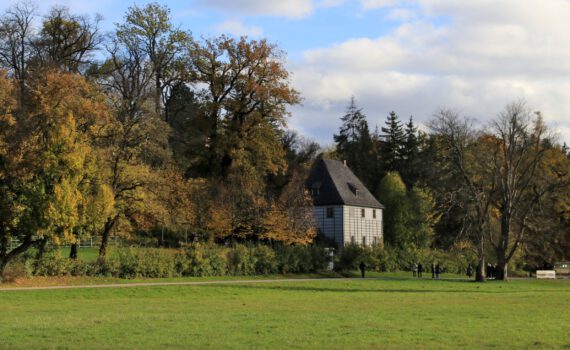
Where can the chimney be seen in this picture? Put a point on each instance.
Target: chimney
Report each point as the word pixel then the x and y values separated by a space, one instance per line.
pixel 344 162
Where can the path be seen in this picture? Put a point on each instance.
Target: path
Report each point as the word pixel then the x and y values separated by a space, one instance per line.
pixel 152 284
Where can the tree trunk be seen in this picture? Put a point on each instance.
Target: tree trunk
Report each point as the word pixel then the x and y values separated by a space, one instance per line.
pixel 4 244
pixel 158 95
pixel 502 265
pixel 480 274
pixel 5 259
pixel 73 251
pixel 41 249
pixel 105 236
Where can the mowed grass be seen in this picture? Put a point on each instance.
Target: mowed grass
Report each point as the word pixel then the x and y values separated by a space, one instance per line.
pixel 85 253
pixel 389 313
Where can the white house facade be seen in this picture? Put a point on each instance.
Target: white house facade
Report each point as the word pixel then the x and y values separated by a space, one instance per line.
pixel 345 210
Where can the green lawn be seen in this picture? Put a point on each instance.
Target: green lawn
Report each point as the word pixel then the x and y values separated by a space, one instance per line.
pixel 390 313
pixel 86 254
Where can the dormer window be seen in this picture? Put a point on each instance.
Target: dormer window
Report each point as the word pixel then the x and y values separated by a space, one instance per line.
pixel 353 189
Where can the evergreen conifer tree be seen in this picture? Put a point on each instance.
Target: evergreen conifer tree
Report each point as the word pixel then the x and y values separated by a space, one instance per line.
pixel 393 143
pixel 410 152
pixel 354 143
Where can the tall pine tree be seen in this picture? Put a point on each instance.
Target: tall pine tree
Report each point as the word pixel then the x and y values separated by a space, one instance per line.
pixel 410 153
pixel 354 143
pixel 393 143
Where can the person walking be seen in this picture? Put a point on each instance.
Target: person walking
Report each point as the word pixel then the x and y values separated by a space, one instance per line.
pixel 420 270
pixel 437 271
pixel 415 270
pixel 362 268
pixel 432 270
pixel 469 271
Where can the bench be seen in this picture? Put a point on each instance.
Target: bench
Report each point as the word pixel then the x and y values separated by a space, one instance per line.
pixel 542 274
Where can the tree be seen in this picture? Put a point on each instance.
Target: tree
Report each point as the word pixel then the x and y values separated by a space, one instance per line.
pixel 67 42
pixel 519 144
pixel 45 162
pixel 354 143
pixel 135 149
pixel 16 33
pixel 393 141
pixel 409 216
pixel 149 30
pixel 470 161
pixel 243 88
pixel 410 167
pixel 548 236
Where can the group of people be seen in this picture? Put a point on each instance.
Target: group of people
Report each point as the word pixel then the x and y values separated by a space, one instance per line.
pixel 418 269
pixel 491 271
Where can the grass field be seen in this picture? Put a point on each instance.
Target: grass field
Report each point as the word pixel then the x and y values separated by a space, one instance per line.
pixel 388 313
pixel 86 254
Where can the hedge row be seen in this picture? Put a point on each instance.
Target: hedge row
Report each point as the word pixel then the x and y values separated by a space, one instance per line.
pixel 385 259
pixel 195 260
pixel 241 260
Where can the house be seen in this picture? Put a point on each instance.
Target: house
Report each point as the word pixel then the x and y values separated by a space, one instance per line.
pixel 344 208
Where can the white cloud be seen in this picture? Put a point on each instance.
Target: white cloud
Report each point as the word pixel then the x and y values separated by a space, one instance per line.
pixel 475 56
pixel 377 4
pixel 238 28
pixel 329 3
pixel 294 9
pixel 401 14
pixel 290 8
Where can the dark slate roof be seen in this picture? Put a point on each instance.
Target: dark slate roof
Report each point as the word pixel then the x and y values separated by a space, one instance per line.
pixel 333 183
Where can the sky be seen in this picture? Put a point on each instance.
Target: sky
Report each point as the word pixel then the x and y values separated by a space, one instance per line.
pixel 411 57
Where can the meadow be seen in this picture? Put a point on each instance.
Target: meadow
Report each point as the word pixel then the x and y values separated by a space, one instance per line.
pixel 388 312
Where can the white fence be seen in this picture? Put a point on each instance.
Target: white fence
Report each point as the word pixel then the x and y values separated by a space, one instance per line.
pixel 88 242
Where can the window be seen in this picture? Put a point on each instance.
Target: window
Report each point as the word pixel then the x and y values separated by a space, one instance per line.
pixel 330 213
pixel 352 240
pixel 364 240
pixel 375 240
pixel 374 213
pixel 362 213
pixel 353 188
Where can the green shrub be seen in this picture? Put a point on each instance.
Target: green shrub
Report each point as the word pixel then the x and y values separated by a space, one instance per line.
pixel 265 260
pixel 204 260
pixel 319 259
pixel 53 264
pixel 241 261
pixel 144 262
pixel 349 257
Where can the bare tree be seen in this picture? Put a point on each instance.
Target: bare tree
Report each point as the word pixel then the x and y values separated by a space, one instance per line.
pixel 521 145
pixel 462 148
pixel 16 33
pixel 67 41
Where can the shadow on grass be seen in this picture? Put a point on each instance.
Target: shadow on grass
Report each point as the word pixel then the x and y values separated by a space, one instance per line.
pixel 313 289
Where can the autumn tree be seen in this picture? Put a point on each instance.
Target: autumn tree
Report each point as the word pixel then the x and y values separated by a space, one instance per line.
pixel 135 148
pixel 243 88
pixel 45 163
pixel 548 227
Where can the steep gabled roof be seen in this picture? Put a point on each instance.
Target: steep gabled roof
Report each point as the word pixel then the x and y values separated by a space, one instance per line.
pixel 333 183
